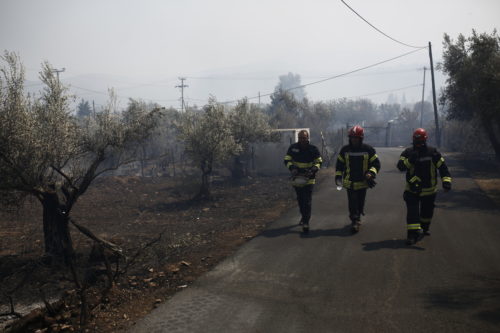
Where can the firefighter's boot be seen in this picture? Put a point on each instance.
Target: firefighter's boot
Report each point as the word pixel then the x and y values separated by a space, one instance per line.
pixel 425 228
pixel 355 225
pixel 414 236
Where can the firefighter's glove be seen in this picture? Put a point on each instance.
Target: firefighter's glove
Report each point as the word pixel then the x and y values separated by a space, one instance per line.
pixel 446 186
pixel 371 182
pixel 370 175
pixel 312 171
pixel 416 187
pixel 294 170
pixel 338 180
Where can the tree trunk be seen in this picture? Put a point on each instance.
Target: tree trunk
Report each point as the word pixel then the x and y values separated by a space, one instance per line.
pixel 238 169
pixel 205 186
pixel 206 171
pixel 58 241
pixel 492 136
pixel 143 154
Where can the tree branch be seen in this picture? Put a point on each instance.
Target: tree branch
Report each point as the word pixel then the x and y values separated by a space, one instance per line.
pixel 97 174
pixel 104 243
pixel 65 177
pixel 127 162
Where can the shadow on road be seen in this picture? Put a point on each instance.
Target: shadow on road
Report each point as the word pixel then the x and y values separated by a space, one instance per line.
pixel 474 199
pixel 482 297
pixel 394 244
pixel 313 233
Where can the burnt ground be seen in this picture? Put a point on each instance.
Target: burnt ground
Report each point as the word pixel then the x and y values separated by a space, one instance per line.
pixel 169 241
pixel 485 170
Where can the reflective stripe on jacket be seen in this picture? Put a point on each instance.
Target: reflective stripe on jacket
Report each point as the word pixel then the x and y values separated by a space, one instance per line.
pixel 421 167
pixel 303 159
pixel 354 163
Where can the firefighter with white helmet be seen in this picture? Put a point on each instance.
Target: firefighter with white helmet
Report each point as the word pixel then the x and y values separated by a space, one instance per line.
pixel 303 160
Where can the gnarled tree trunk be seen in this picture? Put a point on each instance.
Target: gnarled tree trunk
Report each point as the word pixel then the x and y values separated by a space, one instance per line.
pixel 58 241
pixel 206 171
pixel 238 169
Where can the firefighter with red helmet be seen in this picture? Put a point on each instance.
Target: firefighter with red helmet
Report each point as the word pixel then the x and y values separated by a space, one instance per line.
pixel 356 169
pixel 421 163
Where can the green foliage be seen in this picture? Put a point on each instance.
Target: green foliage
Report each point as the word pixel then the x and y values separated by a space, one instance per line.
pixel 248 124
pixel 43 145
pixel 473 85
pixel 207 135
pixel 473 68
pixel 83 109
pixel 35 134
pixel 285 109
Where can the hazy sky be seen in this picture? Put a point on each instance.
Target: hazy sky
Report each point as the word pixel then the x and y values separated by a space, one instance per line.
pixel 233 48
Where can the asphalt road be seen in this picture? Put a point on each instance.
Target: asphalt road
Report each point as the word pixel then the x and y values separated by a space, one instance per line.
pixel 332 281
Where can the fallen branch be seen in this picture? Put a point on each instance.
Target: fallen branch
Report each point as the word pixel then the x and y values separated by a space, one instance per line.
pixel 49 307
pixel 12 312
pixel 22 325
pixel 141 250
pixel 104 243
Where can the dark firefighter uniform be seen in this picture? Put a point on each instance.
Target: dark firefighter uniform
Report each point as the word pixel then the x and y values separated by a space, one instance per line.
pixel 307 161
pixel 421 166
pixel 352 165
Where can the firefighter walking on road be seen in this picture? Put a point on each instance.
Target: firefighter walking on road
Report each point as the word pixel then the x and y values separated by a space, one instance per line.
pixel 356 170
pixel 421 163
pixel 303 160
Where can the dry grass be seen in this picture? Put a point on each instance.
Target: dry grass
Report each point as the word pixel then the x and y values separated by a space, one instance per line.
pixel 491 186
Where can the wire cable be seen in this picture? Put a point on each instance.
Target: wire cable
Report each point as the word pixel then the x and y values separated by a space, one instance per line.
pixel 273 78
pixel 332 77
pixel 385 91
pixel 383 33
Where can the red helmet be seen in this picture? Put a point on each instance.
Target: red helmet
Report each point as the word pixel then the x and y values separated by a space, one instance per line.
pixel 420 135
pixel 356 132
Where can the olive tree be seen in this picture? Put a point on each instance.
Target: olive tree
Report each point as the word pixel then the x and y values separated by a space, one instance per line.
pixel 472 66
pixel 48 153
pixel 248 124
pixel 208 139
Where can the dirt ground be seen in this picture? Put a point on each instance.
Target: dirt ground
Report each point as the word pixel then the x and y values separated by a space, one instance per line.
pixel 168 239
pixel 485 170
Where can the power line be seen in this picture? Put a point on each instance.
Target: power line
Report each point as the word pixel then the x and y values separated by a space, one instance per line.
pixel 383 33
pixel 121 96
pixel 24 86
pixel 151 84
pixel 90 90
pixel 272 78
pixel 333 77
pixel 385 91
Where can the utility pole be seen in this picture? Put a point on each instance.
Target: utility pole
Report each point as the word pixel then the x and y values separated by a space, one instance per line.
pixel 182 86
pixel 57 71
pixel 438 132
pixel 259 98
pixel 422 105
